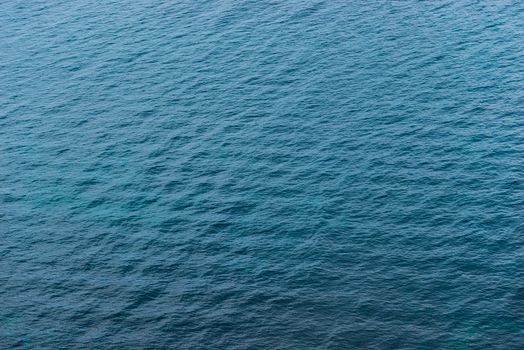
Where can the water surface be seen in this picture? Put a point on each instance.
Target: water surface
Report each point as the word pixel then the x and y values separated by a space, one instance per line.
pixel 262 174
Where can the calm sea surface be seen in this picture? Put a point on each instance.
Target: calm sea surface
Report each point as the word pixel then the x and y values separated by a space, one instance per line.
pixel 262 174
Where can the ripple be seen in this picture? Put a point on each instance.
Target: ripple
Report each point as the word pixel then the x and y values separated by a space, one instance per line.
pixel 254 174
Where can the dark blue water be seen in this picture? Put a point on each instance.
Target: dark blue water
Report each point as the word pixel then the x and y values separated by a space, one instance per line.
pixel 262 174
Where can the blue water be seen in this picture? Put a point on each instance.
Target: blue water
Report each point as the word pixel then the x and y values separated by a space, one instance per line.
pixel 262 174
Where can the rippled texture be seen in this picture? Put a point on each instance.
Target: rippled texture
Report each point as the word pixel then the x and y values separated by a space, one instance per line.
pixel 262 174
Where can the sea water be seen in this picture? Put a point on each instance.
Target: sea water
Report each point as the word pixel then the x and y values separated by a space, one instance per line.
pixel 295 174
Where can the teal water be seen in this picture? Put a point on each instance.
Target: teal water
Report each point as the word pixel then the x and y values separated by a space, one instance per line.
pixel 262 174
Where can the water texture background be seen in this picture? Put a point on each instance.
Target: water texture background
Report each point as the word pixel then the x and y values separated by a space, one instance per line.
pixel 262 174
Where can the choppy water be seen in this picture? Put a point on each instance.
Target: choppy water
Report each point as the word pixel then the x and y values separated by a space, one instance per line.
pixel 262 174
